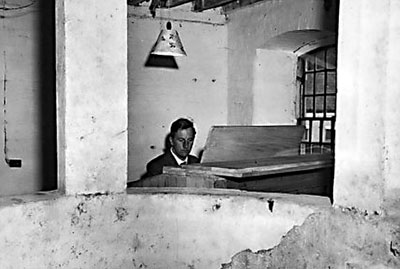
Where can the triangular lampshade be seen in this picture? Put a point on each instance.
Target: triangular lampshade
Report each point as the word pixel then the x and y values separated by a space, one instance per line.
pixel 168 43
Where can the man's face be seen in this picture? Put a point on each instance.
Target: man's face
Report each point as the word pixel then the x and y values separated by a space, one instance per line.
pixel 182 142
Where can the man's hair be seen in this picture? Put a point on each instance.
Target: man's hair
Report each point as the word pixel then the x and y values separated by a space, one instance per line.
pixel 181 124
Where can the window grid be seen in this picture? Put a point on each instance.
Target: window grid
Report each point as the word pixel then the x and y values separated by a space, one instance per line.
pixel 317 104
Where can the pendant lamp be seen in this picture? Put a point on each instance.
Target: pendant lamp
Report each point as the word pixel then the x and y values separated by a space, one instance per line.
pixel 168 43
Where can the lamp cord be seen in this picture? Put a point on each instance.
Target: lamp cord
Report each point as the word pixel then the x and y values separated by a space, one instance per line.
pixel 5 148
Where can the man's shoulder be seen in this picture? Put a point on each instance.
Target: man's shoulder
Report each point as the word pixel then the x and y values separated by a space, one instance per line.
pixel 160 159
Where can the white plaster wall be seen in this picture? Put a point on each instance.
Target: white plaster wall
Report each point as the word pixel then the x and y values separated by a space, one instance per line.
pixel 93 95
pixel 157 95
pixel 392 110
pixel 249 29
pixel 27 82
pixel 275 67
pixel 275 70
pixel 367 141
pixel 153 230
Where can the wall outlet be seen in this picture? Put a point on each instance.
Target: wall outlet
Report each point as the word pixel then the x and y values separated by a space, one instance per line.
pixel 16 163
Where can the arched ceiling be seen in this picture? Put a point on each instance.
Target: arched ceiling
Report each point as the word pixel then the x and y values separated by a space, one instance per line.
pixel 301 41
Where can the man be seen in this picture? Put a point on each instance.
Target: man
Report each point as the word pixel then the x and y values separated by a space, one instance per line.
pixel 181 138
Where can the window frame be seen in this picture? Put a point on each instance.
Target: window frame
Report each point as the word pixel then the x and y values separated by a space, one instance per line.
pixel 315 142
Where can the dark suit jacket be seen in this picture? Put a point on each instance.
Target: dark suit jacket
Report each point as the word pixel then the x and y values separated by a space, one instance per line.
pixel 155 166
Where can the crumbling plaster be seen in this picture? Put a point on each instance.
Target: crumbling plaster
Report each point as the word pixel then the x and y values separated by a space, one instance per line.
pixel 189 228
pixel 336 238
pixel 146 228
pixel 362 231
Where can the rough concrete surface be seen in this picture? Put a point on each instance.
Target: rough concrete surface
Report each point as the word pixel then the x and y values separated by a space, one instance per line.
pixel 147 228
pixel 337 238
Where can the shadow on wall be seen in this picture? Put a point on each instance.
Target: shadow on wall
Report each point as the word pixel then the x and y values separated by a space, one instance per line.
pixel 161 61
pixel 47 96
pixel 331 17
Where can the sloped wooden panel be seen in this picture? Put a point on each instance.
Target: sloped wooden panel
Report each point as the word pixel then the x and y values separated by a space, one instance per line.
pixel 266 166
pixel 235 143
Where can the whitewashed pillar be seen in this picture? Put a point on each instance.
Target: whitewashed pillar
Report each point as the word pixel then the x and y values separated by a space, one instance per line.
pixel 367 172
pixel 92 95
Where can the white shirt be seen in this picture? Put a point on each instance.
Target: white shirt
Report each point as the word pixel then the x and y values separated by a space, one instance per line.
pixel 178 160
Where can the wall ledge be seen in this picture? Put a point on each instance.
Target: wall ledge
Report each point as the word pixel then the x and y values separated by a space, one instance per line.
pixel 299 199
pixel 146 226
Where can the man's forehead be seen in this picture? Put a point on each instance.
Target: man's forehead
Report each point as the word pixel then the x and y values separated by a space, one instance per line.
pixel 184 133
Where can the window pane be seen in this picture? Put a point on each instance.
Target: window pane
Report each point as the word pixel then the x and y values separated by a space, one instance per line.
pixel 319 106
pixel 331 104
pixel 319 83
pixel 309 84
pixel 320 60
pixel 327 136
pixel 309 106
pixel 315 131
pixel 331 82
pixel 309 62
pixel 327 131
pixel 306 124
pixel 331 58
pixel 318 100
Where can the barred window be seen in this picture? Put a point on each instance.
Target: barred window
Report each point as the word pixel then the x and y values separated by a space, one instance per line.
pixel 317 76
